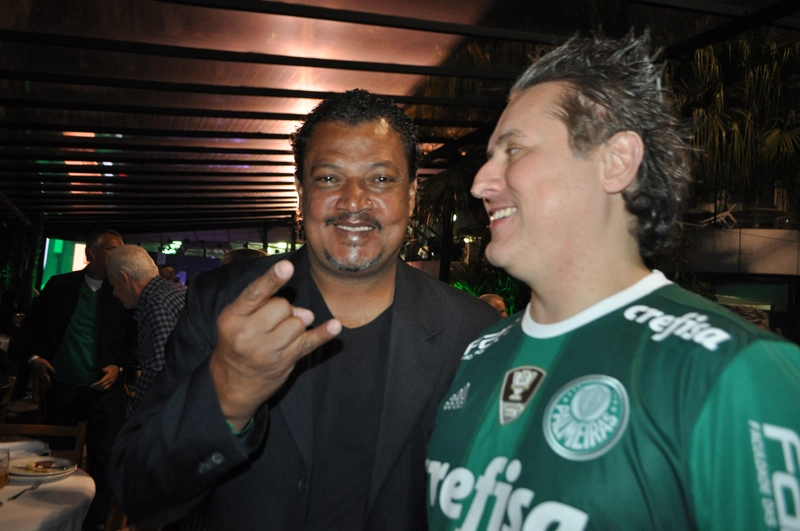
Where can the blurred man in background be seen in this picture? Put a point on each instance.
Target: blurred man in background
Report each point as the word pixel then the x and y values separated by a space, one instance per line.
pixel 80 339
pixel 495 301
pixel 157 302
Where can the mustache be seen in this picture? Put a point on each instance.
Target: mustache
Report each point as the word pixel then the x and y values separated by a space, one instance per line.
pixel 349 219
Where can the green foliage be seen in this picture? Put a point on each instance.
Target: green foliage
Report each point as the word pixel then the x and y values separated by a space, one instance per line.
pixel 480 277
pixel 743 98
pixel 447 192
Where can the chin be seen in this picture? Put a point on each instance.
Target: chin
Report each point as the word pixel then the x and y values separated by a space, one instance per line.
pixel 350 264
pixel 507 261
pixel 494 256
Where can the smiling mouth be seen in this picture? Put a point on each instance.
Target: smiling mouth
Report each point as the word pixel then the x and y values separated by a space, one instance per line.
pixel 354 224
pixel 350 228
pixel 502 213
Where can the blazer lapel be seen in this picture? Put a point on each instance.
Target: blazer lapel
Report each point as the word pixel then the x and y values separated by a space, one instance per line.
pixel 297 413
pixel 411 373
pixel 296 403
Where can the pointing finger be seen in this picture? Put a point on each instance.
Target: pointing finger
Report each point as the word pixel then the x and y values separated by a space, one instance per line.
pixel 259 292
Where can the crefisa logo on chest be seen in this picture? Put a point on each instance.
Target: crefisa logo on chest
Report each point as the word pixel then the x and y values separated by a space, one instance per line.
pixel 586 417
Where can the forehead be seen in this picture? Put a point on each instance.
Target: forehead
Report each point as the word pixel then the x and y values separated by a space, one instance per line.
pixel 376 135
pixel 529 112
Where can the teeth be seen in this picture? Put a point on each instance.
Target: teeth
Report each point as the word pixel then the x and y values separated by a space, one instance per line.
pixel 353 229
pixel 502 213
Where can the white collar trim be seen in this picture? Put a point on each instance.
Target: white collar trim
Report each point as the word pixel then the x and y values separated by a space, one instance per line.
pixel 93 283
pixel 645 286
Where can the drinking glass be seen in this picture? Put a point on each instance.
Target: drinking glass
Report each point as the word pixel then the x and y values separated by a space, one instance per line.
pixel 4 464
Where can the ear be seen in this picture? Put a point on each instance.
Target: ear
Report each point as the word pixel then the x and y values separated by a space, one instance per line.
pixel 299 187
pixel 122 278
pixel 623 156
pixel 412 196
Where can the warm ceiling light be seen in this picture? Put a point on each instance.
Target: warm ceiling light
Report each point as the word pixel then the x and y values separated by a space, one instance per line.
pixel 83 134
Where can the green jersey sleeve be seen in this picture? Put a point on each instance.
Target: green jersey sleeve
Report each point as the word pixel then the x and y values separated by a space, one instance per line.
pixel 744 454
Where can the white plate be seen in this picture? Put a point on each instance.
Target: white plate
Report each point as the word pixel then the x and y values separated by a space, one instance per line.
pixel 62 467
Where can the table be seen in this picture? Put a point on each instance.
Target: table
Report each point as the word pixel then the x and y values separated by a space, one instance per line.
pixel 59 505
pixel 21 446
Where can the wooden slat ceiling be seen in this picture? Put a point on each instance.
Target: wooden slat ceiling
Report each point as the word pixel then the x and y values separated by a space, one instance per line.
pixel 164 116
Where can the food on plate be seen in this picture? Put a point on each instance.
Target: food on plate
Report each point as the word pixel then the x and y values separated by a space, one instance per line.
pixel 40 466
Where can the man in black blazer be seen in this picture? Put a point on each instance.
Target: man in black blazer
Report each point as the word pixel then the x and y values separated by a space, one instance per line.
pixel 299 393
pixel 79 338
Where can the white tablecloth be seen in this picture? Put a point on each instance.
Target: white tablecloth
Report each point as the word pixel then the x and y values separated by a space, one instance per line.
pixel 21 446
pixel 59 505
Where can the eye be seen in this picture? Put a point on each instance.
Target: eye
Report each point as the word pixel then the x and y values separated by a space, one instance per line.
pixel 383 180
pixel 325 180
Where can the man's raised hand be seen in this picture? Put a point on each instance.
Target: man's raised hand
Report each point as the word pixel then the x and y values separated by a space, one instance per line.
pixel 260 338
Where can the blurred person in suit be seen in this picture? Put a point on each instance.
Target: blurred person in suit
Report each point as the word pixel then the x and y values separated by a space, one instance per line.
pixel 299 390
pixel 80 339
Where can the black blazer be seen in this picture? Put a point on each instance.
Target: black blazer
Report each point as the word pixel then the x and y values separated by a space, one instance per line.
pixel 177 450
pixel 46 323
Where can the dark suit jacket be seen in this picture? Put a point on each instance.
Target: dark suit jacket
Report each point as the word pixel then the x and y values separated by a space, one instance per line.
pixel 46 323
pixel 177 449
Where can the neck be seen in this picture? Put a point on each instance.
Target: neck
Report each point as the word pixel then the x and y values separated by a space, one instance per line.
pixel 139 285
pixel 96 275
pixel 358 300
pixel 556 299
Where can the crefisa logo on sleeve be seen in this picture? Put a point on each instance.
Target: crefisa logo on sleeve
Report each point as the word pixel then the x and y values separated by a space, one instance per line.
pixel 586 417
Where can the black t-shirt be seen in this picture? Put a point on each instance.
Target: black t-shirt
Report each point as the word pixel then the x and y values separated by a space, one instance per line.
pixel 349 380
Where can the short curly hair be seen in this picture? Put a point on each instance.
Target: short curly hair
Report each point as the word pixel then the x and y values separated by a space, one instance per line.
pixel 353 108
pixel 93 239
pixel 613 86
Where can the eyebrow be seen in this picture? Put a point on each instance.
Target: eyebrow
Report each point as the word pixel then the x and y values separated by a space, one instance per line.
pixel 371 165
pixel 502 139
pixel 381 164
pixel 324 165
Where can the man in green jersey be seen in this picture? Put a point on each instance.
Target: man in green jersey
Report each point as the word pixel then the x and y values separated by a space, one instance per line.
pixel 616 400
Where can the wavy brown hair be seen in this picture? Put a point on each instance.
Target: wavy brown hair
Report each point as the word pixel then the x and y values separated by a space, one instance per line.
pixel 613 86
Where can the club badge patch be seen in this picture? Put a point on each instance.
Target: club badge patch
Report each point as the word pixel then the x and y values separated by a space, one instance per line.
pixel 586 417
pixel 519 386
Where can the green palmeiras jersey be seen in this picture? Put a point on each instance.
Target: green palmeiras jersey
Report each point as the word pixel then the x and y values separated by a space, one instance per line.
pixel 655 409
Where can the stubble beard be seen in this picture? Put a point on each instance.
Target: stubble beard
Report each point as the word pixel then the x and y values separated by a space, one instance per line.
pixel 352 264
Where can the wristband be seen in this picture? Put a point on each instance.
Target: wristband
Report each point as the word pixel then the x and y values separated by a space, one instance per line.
pixel 241 432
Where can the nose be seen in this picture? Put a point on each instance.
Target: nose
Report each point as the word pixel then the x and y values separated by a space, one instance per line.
pixel 354 198
pixel 486 181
